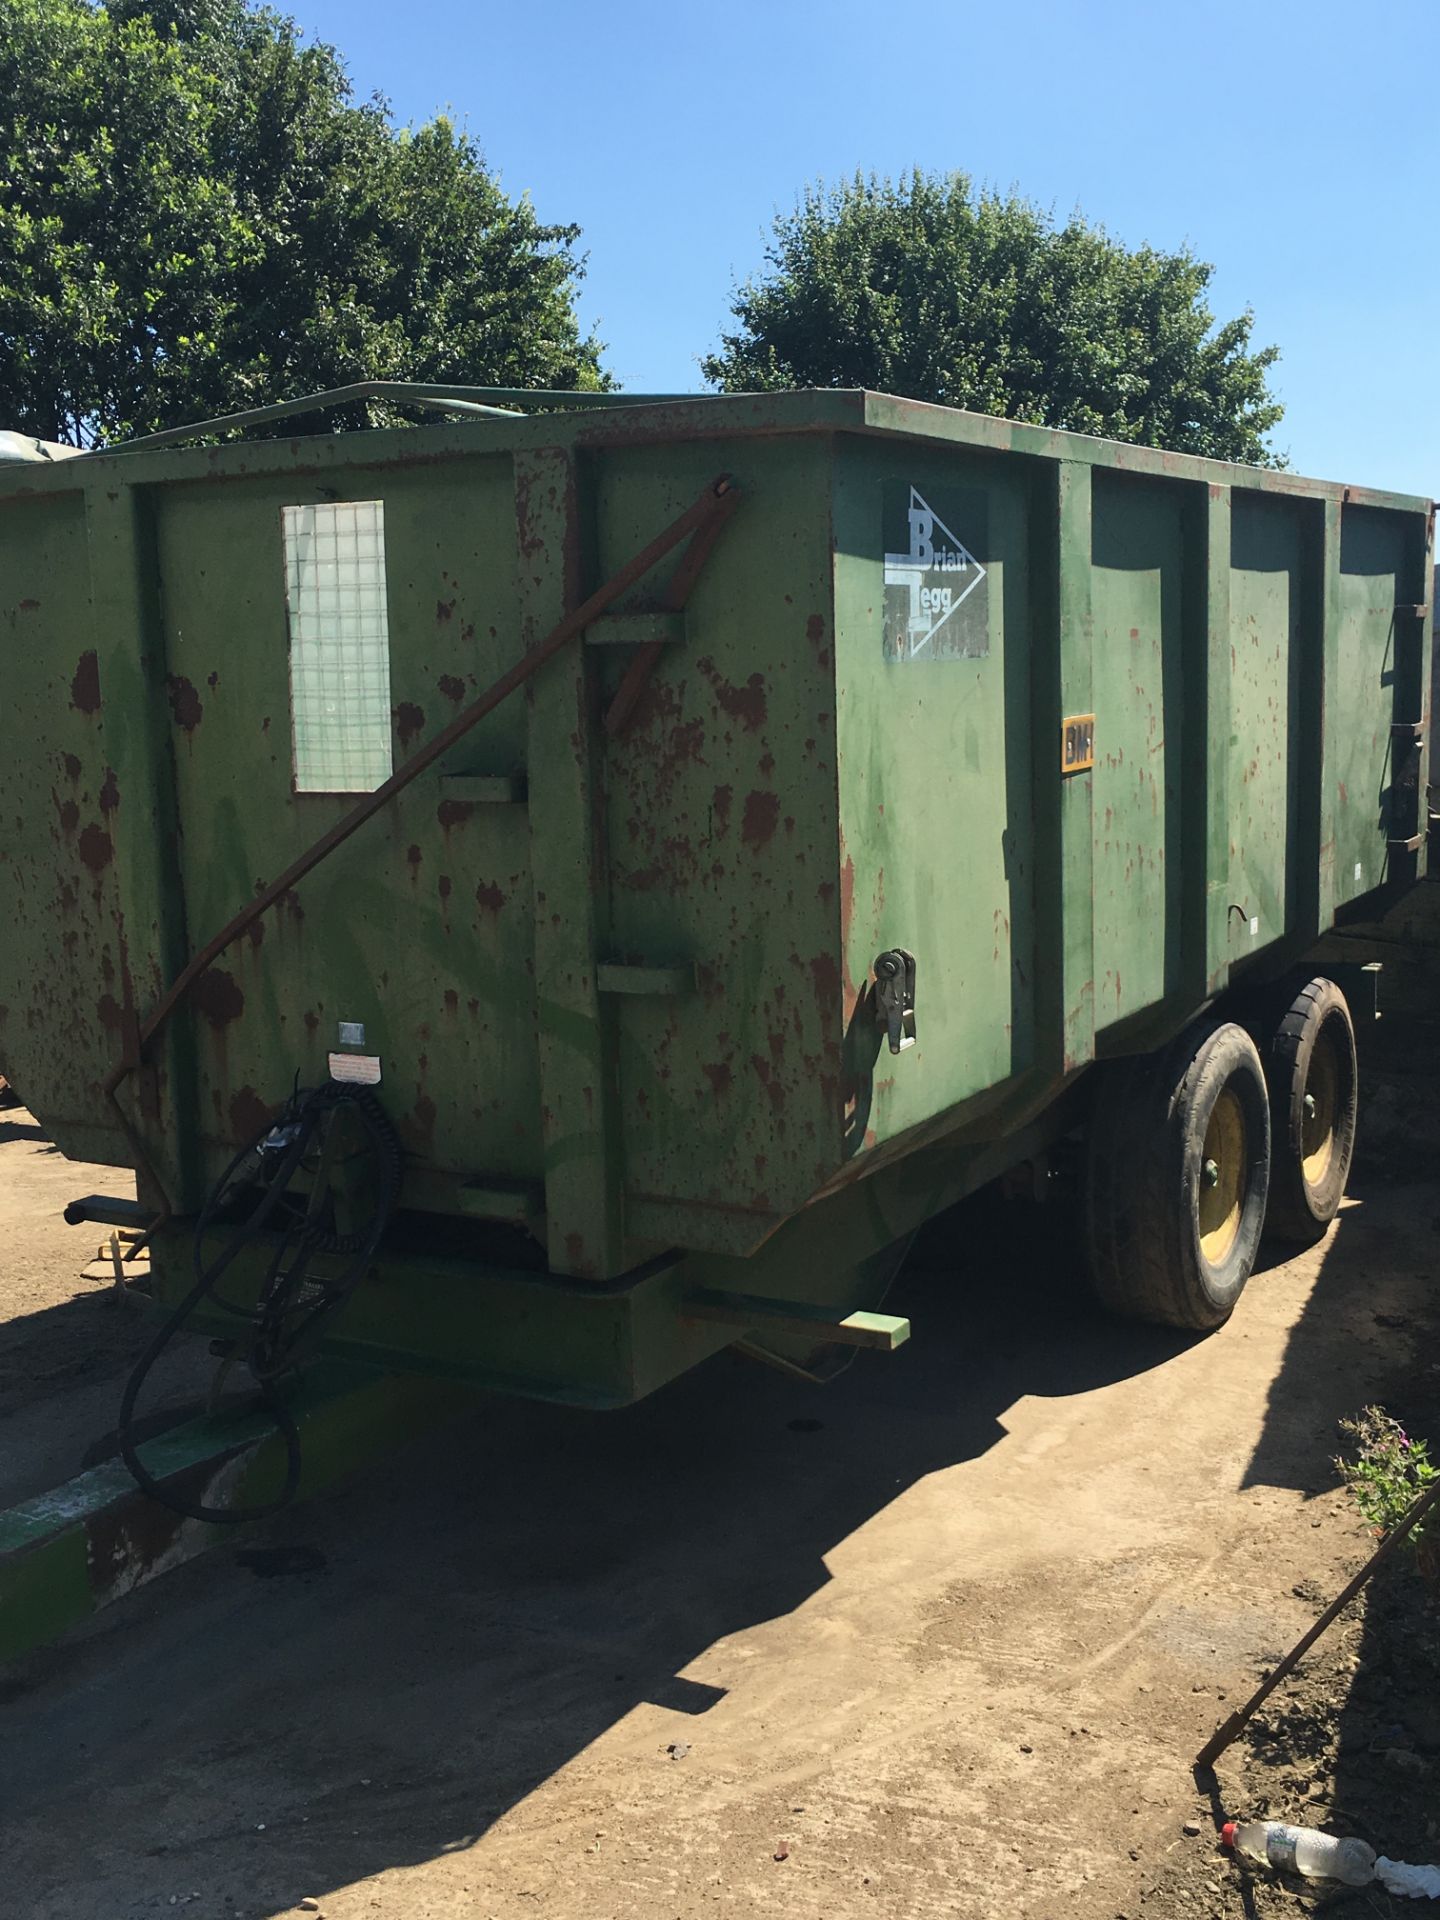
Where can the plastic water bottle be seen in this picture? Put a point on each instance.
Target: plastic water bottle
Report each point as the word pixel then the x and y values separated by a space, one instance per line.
pixel 1319 1856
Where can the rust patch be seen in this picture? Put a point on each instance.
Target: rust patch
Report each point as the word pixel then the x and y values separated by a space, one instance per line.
pixel 825 974
pixel 250 1116
pixel 719 1076
pixel 720 804
pixel 185 704
pixel 409 721
pixel 112 1014
pixel 290 901
pixel 452 1000
pixel 217 995
pixel 815 634
pixel 69 814
pixel 454 813
pixel 774 1087
pixel 762 816
pixel 212 681
pixel 256 932
pixel 452 688
pixel 137 1533
pixel 489 896
pixel 72 766
pixel 745 704
pixel 671 741
pixel 312 1020
pixel 444 610
pixel 85 687
pixel 443 886
pixel 424 1115
pixel 413 857
pixel 96 848
pixel 110 792
pixel 29 606
pixel 847 922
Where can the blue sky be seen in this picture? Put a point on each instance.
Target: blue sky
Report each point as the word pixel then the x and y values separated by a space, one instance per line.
pixel 1292 145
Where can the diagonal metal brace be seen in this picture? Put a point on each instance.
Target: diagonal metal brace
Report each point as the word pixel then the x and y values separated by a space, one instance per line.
pixel 637 674
pixel 702 520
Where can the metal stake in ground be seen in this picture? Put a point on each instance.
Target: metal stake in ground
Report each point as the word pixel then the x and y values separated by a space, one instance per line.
pixel 1223 1736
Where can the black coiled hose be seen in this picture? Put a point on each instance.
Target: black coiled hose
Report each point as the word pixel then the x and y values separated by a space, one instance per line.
pixel 288 1318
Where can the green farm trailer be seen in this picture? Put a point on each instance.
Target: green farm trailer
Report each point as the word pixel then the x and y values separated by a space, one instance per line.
pixel 539 898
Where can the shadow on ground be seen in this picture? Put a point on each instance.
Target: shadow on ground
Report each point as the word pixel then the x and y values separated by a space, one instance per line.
pixel 511 1590
pixel 90 1334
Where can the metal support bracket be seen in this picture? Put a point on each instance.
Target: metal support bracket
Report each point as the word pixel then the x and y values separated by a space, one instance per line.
pixel 670 981
pixel 883 1332
pixel 484 789
pixel 643 629
pixel 107 1211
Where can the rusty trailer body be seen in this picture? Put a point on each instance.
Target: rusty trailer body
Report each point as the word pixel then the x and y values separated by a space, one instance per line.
pixel 1077 739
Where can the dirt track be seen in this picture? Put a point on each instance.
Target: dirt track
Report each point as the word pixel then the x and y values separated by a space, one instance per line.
pixel 943 1635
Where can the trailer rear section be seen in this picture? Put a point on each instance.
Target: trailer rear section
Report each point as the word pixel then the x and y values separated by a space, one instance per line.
pixel 645 861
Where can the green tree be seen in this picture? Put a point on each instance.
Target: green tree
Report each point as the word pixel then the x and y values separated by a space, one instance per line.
pixel 196 217
pixel 935 290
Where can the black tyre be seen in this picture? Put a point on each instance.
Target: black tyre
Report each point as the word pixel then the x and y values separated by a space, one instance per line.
pixel 1177 1174
pixel 1314 1104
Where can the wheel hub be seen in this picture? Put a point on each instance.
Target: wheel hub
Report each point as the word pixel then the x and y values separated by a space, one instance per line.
pixel 1224 1177
pixel 1321 1106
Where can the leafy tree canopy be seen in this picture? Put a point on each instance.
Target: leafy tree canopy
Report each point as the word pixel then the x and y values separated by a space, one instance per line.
pixel 196 217
pixel 935 290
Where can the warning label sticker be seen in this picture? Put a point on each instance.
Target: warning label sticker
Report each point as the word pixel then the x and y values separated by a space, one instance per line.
pixel 937 601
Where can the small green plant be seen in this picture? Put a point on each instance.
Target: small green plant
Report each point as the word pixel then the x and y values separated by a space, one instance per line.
pixel 1388 1472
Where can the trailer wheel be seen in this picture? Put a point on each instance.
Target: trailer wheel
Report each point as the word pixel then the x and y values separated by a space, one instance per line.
pixel 1177 1175
pixel 1314 1102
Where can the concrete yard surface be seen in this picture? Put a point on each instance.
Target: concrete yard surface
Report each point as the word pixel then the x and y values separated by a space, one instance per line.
pixel 940 1638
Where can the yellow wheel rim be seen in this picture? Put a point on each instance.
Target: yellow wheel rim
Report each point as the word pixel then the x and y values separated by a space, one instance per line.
pixel 1322 1104
pixel 1223 1178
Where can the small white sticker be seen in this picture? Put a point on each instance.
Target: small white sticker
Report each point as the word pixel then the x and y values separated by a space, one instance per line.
pixel 1254 926
pixel 352 1033
pixel 358 1069
pixel 1358 869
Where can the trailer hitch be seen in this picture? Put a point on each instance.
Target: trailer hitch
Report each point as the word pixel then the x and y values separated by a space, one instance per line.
pixel 895 997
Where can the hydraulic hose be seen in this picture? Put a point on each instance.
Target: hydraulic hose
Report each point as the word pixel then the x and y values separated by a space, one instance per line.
pixel 293 1305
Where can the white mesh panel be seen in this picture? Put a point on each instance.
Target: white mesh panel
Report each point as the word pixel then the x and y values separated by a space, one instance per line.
pixel 339 646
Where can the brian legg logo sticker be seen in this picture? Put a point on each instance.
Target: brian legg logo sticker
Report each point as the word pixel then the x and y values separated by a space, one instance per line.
pixel 936 597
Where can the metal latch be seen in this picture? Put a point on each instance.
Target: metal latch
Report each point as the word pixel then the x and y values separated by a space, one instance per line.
pixel 895 997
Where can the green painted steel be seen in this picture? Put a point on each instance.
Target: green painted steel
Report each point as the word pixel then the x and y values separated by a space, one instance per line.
pixel 618 977
pixel 67 1553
